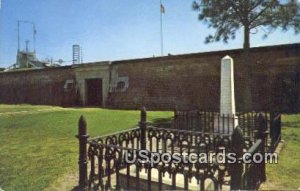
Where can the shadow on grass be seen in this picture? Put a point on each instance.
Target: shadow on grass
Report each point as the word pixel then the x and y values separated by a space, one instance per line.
pixel 161 122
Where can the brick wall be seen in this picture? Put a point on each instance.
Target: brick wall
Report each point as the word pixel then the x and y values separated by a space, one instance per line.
pixel 193 81
pixel 162 84
pixel 44 87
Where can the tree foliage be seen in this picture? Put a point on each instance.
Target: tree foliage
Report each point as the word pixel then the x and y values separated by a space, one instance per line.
pixel 230 15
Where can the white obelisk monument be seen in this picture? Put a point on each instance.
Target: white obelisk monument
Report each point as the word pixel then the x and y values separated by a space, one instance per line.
pixel 227 98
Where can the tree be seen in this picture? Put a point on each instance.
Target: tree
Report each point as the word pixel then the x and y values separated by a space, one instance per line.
pixel 230 15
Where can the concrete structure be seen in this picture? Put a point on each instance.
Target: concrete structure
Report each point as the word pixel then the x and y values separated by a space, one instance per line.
pixel 190 81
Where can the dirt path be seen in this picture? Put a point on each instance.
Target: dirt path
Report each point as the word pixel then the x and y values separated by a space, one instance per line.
pixel 32 111
pixel 67 182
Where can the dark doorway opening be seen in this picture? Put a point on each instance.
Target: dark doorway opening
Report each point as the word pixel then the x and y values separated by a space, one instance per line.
pixel 94 92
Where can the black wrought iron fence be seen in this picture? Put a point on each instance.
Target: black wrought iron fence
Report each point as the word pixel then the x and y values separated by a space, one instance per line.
pixel 249 175
pixel 213 122
pixel 275 130
pixel 102 163
pixel 206 122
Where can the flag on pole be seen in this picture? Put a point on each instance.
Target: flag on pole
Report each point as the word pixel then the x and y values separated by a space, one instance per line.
pixel 162 8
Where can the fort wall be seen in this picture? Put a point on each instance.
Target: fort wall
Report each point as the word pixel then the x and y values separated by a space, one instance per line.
pixel 190 81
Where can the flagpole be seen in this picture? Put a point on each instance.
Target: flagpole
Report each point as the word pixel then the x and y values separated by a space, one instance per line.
pixel 34 33
pixel 18 36
pixel 161 31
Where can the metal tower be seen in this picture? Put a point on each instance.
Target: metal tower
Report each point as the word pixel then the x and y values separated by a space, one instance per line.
pixel 77 53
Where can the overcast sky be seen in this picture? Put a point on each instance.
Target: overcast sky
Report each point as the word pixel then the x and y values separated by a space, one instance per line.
pixel 111 29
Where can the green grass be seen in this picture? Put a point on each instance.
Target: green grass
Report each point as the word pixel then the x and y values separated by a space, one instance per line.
pixel 38 148
pixel 286 174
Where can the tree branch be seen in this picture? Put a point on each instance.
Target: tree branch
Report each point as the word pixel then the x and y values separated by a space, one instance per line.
pixel 259 14
pixel 236 9
pixel 256 5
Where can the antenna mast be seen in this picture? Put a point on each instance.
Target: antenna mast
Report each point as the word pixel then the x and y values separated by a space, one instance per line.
pixel 33 33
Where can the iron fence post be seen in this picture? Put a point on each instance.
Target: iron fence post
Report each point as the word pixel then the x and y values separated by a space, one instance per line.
pixel 275 129
pixel 272 130
pixel 261 134
pixel 175 112
pixel 143 128
pixel 279 126
pixel 262 129
pixel 82 136
pixel 236 169
pixel 175 125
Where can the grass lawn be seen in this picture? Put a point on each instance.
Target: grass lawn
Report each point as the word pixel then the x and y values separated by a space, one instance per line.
pixel 286 174
pixel 38 148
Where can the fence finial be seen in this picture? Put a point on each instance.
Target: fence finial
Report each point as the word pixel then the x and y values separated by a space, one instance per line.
pixel 143 114
pixel 81 125
pixel 261 125
pixel 237 140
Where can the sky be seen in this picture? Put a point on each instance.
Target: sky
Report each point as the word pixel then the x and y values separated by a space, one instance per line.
pixel 109 30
